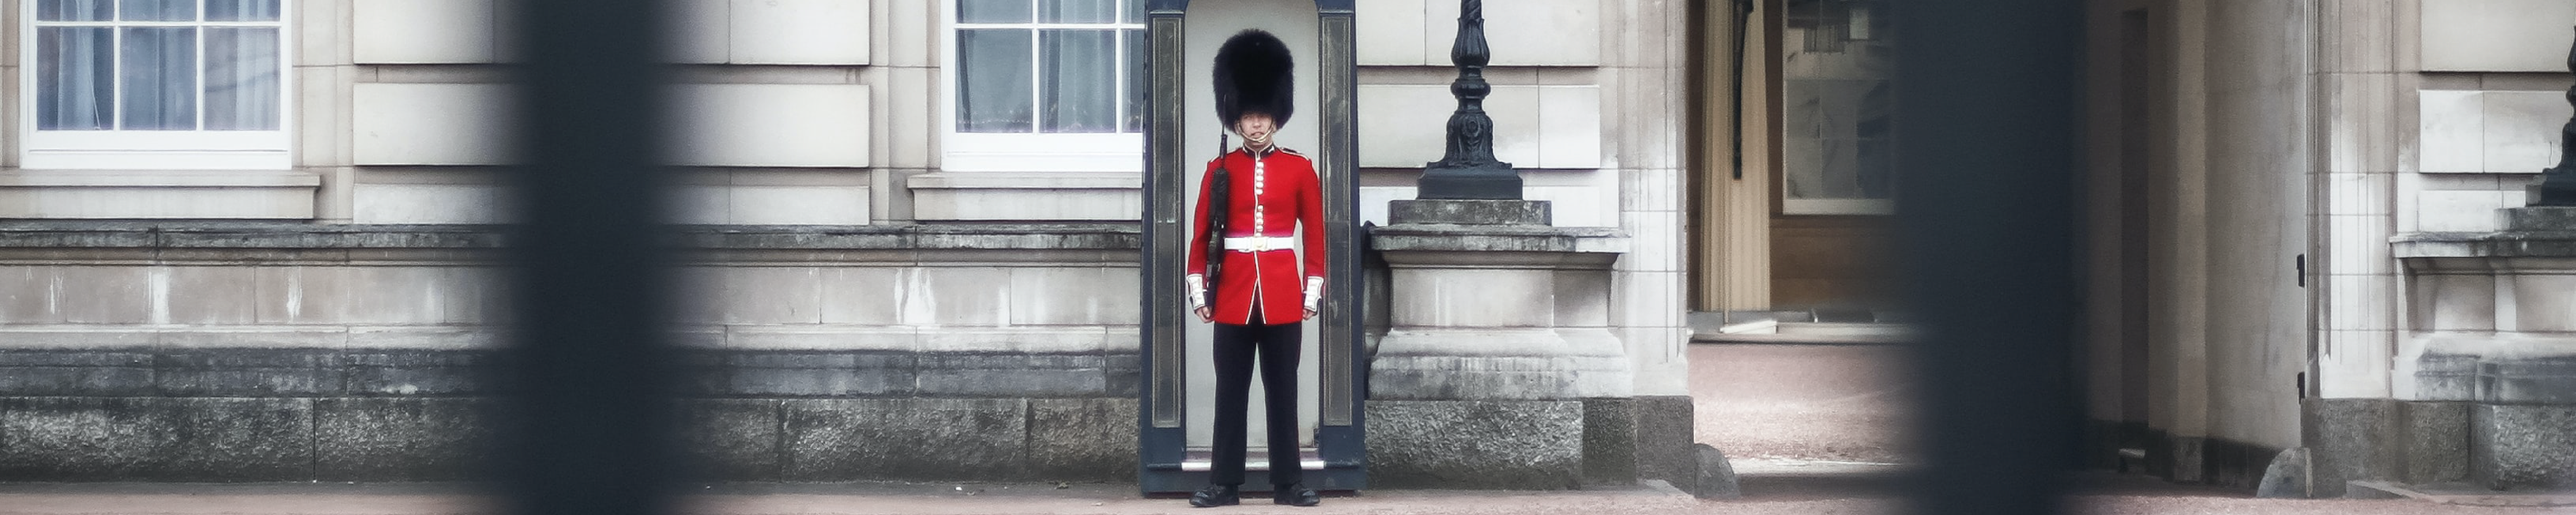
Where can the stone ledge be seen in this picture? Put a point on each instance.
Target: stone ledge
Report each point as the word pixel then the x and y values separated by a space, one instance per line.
pixel 58 439
pixel 2503 244
pixel 1497 238
pixel 325 373
pixel 60 234
pixel 1535 445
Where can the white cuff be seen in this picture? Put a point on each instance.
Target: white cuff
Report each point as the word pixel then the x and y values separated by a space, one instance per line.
pixel 1198 291
pixel 1314 292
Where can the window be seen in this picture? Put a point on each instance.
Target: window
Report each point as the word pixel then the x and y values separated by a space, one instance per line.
pixel 1836 99
pixel 1047 85
pixel 156 84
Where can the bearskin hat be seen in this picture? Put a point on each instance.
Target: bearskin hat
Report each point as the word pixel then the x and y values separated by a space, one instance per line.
pixel 1254 74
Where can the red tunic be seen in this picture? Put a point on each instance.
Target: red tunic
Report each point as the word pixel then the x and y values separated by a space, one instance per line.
pixel 1273 195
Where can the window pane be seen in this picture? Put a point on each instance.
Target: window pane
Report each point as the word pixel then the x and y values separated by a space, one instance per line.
pixel 1135 80
pixel 158 10
pixel 241 79
pixel 992 11
pixel 159 72
pixel 1077 11
pixel 1134 13
pixel 1079 88
pixel 73 10
pixel 241 10
pixel 993 80
pixel 74 81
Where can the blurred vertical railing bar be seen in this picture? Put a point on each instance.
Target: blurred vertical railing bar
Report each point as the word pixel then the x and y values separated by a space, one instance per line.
pixel 1985 141
pixel 588 404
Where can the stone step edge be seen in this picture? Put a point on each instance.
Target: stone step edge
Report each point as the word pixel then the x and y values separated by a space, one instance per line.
pixel 2367 489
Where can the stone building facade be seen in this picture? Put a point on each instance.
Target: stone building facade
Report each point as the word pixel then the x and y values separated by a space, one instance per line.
pixel 888 277
pixel 2304 252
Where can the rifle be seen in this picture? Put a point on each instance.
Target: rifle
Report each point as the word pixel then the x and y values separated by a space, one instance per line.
pixel 1220 190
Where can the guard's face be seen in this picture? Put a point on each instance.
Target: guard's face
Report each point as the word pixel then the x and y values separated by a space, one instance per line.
pixel 1255 127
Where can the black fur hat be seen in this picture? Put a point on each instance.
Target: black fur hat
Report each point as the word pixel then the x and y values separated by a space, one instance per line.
pixel 1254 74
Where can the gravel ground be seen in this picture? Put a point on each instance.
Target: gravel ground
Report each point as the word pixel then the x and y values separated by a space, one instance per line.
pixel 1800 402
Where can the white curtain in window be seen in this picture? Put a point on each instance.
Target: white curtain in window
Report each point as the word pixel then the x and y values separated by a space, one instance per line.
pixel 993 80
pixel 73 78
pixel 75 10
pixel 157 10
pixel 241 80
pixel 1079 80
pixel 241 10
pixel 158 70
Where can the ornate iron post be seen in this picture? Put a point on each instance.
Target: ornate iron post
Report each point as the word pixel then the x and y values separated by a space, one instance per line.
pixel 2558 184
pixel 1468 171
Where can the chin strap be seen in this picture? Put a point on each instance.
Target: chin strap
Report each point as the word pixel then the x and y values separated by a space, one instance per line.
pixel 1314 293
pixel 1198 291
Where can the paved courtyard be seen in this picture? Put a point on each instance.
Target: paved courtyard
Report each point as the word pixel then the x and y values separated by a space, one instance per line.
pixel 1827 494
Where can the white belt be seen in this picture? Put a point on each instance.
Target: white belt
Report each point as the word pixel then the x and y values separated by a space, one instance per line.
pixel 1258 243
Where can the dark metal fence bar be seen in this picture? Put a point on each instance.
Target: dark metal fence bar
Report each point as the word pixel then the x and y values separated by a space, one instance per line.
pixel 1985 134
pixel 590 415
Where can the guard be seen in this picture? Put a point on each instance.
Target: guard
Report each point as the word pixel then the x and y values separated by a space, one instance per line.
pixel 1261 195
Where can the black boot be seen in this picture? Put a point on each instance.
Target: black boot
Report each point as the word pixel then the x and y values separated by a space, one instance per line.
pixel 1295 495
pixel 1215 495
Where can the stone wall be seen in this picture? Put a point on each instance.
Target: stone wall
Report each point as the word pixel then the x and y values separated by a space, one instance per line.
pixel 266 352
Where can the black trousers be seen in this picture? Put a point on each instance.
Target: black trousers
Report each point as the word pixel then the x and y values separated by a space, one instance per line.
pixel 1236 346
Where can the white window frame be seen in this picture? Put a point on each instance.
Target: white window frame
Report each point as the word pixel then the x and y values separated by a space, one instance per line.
pixel 1034 151
pixel 157 149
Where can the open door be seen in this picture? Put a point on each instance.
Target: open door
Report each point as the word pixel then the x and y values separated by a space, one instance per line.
pixel 1182 135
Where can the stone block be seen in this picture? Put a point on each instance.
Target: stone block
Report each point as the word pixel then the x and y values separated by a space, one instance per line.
pixel 2450 131
pixel 911 439
pixel 799 205
pixel 2523 447
pixel 1536 444
pixel 778 125
pixel 2496 35
pixel 1069 296
pixel 104 295
pixel 36 373
pixel 802 373
pixel 1609 441
pixel 426 204
pixel 2348 439
pixel 1716 476
pixel 430 124
pixel 401 439
pixel 417 372
pixel 2540 218
pixel 2436 441
pixel 212 295
pixel 1664 440
pixel 2286 477
pixel 26 295
pixel 248 372
pixel 1090 439
pixel 799 32
pixel 422 31
pixel 1495 364
pixel 2521 126
pixel 1475 297
pixel 734 439
pixel 956 296
pixel 80 438
pixel 1469 212
pixel 2549 380
pixel 1014 375
pixel 232 439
